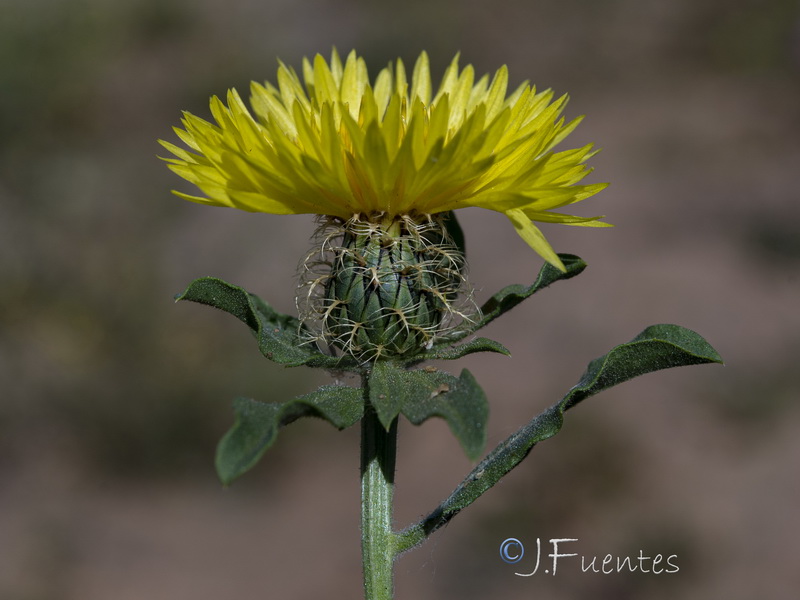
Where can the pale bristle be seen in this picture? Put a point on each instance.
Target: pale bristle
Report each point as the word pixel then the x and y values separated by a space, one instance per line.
pixel 373 288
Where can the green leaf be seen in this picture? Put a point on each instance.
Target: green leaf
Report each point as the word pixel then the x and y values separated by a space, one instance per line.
pixel 481 344
pixel 510 296
pixel 657 347
pixel 257 423
pixel 507 298
pixel 422 394
pixel 502 459
pixel 278 335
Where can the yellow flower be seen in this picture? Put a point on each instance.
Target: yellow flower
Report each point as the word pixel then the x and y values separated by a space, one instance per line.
pixel 341 146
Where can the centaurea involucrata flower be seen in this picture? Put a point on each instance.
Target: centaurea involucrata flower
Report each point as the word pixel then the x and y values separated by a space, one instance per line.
pixel 385 162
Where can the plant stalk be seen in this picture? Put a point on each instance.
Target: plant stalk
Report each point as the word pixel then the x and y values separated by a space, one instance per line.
pixel 378 452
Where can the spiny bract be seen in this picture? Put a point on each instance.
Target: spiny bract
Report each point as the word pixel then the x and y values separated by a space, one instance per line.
pixel 384 288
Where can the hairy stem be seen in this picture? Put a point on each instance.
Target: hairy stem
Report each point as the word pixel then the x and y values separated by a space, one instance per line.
pixel 507 455
pixel 378 451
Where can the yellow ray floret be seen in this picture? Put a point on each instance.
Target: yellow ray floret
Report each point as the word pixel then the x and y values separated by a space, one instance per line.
pixel 336 144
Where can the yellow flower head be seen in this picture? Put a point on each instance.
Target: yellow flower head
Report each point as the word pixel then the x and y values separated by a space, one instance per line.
pixel 341 146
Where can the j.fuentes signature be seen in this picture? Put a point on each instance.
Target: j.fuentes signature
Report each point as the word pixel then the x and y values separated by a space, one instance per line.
pixel 512 551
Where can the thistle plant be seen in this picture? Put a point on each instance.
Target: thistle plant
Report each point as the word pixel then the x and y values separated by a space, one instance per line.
pixel 384 165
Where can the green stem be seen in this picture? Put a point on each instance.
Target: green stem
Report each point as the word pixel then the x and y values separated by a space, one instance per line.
pixel 378 451
pixel 507 455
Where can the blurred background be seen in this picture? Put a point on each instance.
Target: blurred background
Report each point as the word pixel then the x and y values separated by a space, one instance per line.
pixel 113 397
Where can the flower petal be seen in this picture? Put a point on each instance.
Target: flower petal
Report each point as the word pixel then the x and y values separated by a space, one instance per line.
pixel 334 144
pixel 534 237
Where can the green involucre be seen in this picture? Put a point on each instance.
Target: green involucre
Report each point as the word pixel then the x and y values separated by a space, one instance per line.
pixel 378 288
